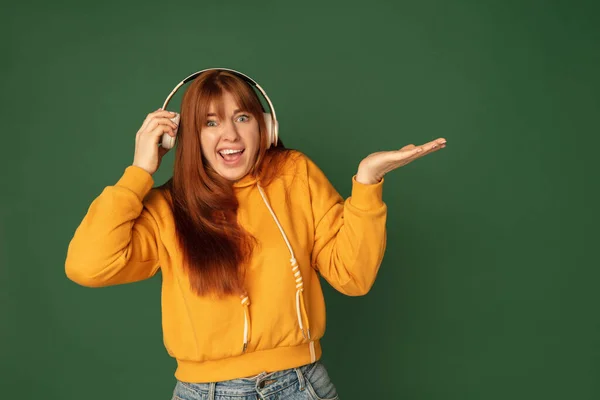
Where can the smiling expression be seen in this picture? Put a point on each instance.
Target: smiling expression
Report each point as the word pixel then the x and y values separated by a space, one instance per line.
pixel 230 145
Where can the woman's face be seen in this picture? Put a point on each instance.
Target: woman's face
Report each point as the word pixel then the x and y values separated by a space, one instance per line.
pixel 230 145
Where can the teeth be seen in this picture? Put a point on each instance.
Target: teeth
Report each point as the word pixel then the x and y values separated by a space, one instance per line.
pixel 229 151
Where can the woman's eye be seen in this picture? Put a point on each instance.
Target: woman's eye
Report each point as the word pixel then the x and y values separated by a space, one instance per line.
pixel 243 118
pixel 211 123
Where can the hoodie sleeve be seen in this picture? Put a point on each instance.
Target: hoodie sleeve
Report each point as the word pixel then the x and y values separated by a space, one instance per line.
pixel 116 242
pixel 350 235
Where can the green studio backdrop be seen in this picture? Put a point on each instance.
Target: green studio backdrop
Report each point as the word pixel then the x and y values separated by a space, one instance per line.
pixel 488 289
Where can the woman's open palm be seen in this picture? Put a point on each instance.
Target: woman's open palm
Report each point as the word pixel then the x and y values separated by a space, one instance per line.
pixel 376 165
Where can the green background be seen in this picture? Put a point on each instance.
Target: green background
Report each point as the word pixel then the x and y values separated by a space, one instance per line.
pixel 488 289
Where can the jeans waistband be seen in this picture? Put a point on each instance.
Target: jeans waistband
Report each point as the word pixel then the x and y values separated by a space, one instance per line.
pixel 264 382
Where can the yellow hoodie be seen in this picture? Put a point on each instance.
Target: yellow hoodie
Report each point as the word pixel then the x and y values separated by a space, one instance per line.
pixel 303 228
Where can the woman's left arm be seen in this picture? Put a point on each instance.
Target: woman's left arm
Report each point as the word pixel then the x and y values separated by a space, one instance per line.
pixel 350 235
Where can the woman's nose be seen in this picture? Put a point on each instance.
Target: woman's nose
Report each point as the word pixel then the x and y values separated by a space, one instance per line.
pixel 230 132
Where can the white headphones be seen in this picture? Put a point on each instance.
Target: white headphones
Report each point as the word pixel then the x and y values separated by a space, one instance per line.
pixel 270 117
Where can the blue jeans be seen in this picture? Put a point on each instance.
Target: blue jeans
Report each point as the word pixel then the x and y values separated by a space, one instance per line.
pixel 308 382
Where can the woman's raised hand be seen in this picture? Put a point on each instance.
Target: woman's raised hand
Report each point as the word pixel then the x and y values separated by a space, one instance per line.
pixel 147 152
pixel 375 166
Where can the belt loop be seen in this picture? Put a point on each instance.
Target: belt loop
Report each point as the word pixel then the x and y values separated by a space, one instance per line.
pixel 212 389
pixel 300 378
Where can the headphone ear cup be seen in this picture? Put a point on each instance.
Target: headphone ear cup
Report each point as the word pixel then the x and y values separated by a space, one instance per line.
pixel 275 134
pixel 168 142
pixel 270 130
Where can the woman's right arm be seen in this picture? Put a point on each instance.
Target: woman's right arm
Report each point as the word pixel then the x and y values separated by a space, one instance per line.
pixel 116 241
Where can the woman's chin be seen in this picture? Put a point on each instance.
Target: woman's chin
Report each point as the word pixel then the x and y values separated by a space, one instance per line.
pixel 233 174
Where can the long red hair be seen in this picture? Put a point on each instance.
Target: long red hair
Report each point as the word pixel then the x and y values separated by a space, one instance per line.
pixel 215 247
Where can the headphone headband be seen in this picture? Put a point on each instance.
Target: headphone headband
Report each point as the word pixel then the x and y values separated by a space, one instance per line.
pixel 270 117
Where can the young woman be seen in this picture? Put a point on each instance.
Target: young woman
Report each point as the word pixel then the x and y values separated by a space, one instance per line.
pixel 241 234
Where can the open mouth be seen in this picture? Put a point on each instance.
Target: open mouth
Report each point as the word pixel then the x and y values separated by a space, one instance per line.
pixel 230 155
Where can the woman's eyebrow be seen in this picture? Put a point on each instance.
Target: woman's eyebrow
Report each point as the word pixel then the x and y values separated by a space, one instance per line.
pixel 214 115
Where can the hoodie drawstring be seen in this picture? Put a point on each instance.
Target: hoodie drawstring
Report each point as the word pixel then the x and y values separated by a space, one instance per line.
pixel 300 307
pixel 246 304
pixel 301 313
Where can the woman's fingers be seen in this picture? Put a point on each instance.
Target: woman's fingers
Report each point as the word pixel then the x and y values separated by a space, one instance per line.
pixel 411 152
pixel 437 144
pixel 160 113
pixel 160 121
pixel 430 147
pixel 434 144
pixel 159 130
